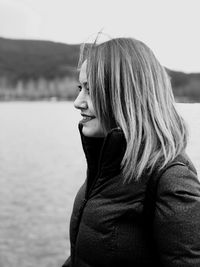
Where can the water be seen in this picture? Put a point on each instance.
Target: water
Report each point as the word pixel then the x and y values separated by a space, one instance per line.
pixel 41 168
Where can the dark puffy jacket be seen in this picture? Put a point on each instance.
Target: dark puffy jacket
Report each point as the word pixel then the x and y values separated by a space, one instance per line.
pixel 108 224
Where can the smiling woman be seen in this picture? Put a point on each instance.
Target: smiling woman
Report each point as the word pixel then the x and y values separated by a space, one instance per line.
pixel 140 203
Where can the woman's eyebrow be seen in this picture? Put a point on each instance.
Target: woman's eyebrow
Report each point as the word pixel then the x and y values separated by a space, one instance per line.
pixel 84 84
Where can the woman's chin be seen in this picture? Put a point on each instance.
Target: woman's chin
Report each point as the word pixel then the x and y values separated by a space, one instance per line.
pixel 91 132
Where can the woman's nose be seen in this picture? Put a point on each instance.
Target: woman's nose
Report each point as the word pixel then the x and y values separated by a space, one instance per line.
pixel 80 102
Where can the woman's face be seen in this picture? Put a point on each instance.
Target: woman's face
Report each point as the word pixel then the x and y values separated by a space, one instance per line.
pixel 91 124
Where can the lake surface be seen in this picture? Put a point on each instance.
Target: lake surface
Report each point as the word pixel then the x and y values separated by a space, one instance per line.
pixel 41 168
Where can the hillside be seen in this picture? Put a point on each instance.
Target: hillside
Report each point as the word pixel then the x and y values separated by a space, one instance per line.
pixel 27 59
pixel 32 69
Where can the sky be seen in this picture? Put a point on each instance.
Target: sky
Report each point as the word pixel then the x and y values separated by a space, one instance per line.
pixel 171 28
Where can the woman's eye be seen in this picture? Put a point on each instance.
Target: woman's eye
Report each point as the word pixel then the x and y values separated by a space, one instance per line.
pixel 88 90
pixel 85 88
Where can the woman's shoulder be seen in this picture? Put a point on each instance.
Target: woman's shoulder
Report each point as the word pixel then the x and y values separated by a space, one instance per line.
pixel 179 179
pixel 177 214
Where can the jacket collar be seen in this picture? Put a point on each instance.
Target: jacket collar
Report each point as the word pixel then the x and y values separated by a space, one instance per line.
pixel 104 154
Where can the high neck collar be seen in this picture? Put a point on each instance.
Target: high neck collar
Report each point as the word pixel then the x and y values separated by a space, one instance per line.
pixel 104 154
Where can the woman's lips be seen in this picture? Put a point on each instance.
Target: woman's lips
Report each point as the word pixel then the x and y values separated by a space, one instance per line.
pixel 86 118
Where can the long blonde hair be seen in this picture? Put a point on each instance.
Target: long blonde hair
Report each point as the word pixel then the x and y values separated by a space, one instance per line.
pixel 131 90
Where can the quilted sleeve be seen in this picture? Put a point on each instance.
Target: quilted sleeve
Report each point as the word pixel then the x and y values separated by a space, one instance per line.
pixel 177 218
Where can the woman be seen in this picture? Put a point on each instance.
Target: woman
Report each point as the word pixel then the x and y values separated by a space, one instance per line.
pixel 140 203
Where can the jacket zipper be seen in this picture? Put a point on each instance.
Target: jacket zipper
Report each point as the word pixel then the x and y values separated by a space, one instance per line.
pixel 87 194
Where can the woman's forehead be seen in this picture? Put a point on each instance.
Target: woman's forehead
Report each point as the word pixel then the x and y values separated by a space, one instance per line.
pixel 83 73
